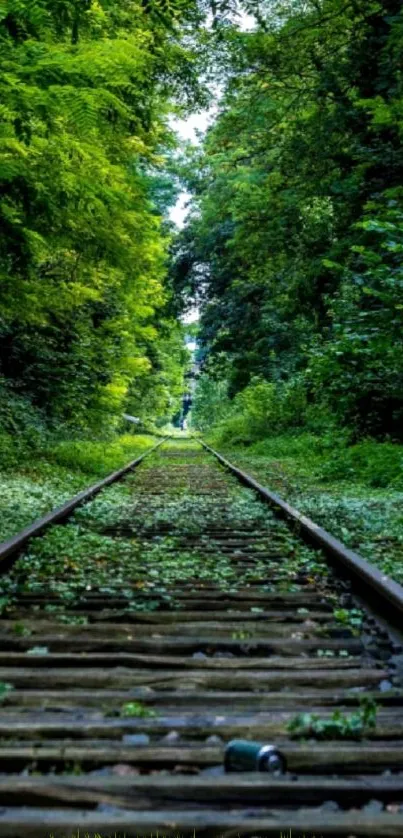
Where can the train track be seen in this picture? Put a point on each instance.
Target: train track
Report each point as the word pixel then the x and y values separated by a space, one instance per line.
pixel 170 614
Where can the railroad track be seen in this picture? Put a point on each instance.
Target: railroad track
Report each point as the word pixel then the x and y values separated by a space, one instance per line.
pixel 170 614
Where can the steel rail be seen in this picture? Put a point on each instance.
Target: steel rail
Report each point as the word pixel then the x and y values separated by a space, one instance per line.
pixel 390 592
pixel 13 545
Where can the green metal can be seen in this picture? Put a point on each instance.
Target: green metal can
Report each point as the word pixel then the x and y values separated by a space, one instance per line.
pixel 242 755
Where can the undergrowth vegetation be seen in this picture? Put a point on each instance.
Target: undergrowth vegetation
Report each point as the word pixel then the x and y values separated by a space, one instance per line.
pixel 38 484
pixel 355 492
pixel 294 245
pixel 99 457
pixel 118 545
pixel 338 726
pixel 264 418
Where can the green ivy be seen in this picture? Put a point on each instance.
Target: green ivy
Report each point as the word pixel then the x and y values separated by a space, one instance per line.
pixel 339 726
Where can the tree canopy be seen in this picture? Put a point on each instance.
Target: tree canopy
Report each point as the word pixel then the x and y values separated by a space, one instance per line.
pixel 295 243
pixel 293 248
pixel 87 88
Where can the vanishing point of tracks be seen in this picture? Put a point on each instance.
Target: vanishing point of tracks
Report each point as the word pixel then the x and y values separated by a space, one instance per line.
pixel 211 620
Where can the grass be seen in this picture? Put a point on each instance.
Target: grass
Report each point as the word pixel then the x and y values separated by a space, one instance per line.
pixel 99 458
pixel 355 492
pixel 38 484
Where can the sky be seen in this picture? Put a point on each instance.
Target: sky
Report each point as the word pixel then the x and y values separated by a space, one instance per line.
pixel 187 130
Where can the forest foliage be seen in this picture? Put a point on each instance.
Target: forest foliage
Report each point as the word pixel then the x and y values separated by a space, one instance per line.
pixel 294 246
pixel 87 90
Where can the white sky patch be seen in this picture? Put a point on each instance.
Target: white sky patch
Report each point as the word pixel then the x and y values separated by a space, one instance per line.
pixel 194 127
pixel 189 130
pixel 191 316
pixel 246 23
pixel 179 212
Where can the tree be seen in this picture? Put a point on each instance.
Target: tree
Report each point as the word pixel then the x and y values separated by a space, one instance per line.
pixel 306 149
pixel 86 87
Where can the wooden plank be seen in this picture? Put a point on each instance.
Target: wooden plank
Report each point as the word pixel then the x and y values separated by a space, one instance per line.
pixel 188 608
pixel 195 592
pixel 136 791
pixel 309 758
pixel 191 725
pixel 303 599
pixel 109 699
pixel 97 637
pixel 91 659
pixel 29 677
pixel 203 628
pixel 35 823
pixel 107 606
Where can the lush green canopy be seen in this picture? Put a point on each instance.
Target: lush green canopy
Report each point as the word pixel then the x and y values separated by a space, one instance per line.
pixel 86 89
pixel 295 246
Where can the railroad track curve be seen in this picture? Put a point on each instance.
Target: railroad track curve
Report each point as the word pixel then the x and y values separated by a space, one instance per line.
pixel 152 621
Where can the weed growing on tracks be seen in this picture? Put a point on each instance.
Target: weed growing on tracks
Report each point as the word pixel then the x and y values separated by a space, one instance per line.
pixel 137 546
pixel 73 561
pixel 338 726
pixel 135 709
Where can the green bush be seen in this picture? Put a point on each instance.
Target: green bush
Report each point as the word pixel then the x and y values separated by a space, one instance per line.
pixel 261 409
pixel 330 458
pixel 377 464
pixel 211 403
pixel 99 457
pixel 21 427
pixel 289 445
pixel 9 451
